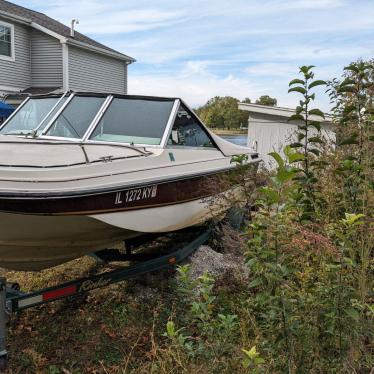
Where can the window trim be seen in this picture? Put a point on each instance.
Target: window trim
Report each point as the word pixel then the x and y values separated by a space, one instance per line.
pixel 175 146
pixel 57 114
pixel 202 125
pixel 14 113
pixel 169 124
pixel 29 98
pixel 12 56
pixel 198 120
pixel 107 101
pixel 98 117
pixel 51 111
pixel 44 133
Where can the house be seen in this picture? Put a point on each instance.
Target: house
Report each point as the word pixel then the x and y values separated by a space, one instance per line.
pixel 269 129
pixel 40 55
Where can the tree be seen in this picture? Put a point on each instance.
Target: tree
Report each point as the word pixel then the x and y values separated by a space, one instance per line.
pixel 223 112
pixel 354 119
pixel 267 100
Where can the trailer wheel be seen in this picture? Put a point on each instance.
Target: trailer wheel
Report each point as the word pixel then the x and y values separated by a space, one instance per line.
pixel 3 363
pixel 15 286
pixel 236 216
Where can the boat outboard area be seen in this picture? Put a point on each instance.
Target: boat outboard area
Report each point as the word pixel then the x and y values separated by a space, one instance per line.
pixel 81 171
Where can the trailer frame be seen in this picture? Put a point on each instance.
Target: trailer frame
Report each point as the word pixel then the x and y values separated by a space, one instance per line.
pixel 13 299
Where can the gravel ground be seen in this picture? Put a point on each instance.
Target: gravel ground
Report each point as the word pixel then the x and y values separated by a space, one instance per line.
pixel 205 259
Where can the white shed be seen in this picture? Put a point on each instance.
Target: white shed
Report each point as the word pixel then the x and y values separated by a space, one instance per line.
pixel 269 129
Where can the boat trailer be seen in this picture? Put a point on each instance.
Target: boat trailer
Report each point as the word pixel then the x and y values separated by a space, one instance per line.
pixel 13 300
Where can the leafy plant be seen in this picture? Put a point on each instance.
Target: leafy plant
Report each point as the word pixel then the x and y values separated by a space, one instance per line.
pixel 310 289
pixel 252 359
pixel 309 138
pixel 354 113
pixel 178 339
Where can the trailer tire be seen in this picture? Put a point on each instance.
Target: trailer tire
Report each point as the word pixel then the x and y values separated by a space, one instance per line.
pixel 3 363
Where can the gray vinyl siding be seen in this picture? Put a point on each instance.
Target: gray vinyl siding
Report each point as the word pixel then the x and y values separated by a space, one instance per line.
pixel 46 60
pixel 89 71
pixel 17 73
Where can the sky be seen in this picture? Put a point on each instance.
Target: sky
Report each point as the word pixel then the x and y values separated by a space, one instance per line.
pixel 243 48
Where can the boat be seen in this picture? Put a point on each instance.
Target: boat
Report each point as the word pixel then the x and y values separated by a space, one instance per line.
pixel 80 172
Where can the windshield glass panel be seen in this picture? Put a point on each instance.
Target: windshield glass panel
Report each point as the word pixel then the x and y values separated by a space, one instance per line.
pixel 42 125
pixel 134 121
pixel 188 132
pixel 75 119
pixel 29 116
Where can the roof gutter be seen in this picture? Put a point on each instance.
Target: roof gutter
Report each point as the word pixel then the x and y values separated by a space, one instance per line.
pixel 12 17
pixel 49 32
pixel 278 111
pixel 76 43
pixel 119 56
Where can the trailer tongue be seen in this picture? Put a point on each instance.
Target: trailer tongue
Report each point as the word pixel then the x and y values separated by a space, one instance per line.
pixel 12 299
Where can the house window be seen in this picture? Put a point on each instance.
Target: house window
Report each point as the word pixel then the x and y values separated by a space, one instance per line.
pixel 6 41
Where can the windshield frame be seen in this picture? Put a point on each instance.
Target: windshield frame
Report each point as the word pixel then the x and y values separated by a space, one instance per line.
pixel 173 113
pixel 15 112
pixel 62 108
pixel 97 118
pixel 59 98
pixel 50 112
pixel 54 118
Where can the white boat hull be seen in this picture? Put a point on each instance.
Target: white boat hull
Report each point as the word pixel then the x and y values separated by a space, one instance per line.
pixel 35 242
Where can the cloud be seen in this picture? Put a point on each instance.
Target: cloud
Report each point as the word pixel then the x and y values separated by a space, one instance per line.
pixel 271 69
pixel 196 67
pixel 195 83
pixel 198 49
pixel 312 4
pixel 100 18
pixel 196 87
pixel 245 16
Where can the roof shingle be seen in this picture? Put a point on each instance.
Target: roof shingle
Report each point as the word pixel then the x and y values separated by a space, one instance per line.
pixel 51 24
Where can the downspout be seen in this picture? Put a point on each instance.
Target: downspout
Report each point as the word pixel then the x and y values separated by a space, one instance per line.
pixel 65 66
pixel 127 63
pixel 249 142
pixel 126 77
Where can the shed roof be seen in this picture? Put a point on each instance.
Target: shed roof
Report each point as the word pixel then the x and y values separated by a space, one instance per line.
pixel 277 111
pixel 31 16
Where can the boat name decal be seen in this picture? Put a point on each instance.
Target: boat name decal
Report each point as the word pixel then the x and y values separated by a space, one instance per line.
pixel 91 285
pixel 136 194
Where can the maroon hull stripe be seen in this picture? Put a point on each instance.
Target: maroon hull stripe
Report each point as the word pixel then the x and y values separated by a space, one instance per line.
pixel 142 197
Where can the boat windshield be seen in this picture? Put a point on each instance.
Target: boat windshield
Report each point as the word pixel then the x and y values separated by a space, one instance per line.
pixel 128 120
pixel 75 119
pixel 134 121
pixel 30 116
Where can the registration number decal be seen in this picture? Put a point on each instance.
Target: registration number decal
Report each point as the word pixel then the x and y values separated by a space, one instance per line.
pixel 136 194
